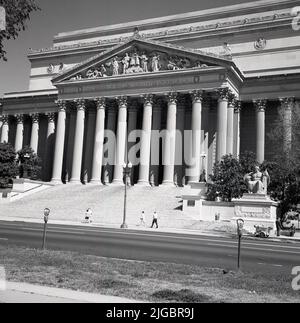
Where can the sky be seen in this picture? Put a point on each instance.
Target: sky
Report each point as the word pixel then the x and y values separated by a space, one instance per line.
pixel 67 15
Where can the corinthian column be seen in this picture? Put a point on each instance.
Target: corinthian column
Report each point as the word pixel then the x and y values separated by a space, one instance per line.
pixel 170 140
pixel 237 128
pixel 146 141
pixel 34 139
pixel 287 105
pixel 195 148
pixel 121 140
pixel 78 142
pixel 5 129
pixel 98 143
pixel 260 106
pixel 222 123
pixel 59 143
pixel 230 124
pixel 19 132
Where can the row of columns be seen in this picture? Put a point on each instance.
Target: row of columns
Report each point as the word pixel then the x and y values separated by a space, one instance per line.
pixel 224 138
pixel 228 135
pixel 34 138
pixel 121 131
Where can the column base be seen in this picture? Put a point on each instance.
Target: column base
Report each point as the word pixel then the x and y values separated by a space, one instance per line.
pixel 117 182
pixel 168 183
pixel 143 183
pixel 55 181
pixel 75 181
pixel 95 182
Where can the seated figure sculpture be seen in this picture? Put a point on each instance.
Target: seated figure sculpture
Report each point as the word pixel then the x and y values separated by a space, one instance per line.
pixel 257 181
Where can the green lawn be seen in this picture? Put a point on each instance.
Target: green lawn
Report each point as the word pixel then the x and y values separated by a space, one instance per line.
pixel 154 282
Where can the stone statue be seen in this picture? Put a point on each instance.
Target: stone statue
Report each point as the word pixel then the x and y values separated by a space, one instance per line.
pixel 125 62
pixel 155 63
pixel 135 60
pixel 144 60
pixel 172 65
pixel 103 70
pixel 257 181
pixel 116 66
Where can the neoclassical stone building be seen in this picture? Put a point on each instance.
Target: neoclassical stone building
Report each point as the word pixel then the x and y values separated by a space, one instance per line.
pixel 221 74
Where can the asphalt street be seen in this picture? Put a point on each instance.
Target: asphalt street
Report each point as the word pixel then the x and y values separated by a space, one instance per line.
pixel 208 251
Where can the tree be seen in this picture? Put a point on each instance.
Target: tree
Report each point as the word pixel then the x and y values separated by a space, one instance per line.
pixel 29 163
pixel 8 165
pixel 248 162
pixel 284 138
pixel 227 180
pixel 17 14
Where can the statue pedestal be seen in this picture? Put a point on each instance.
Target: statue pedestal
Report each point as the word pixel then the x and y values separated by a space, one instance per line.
pixel 256 210
pixel 193 198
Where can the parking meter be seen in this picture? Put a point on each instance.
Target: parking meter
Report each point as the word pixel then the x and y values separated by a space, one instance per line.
pixel 46 219
pixel 46 215
pixel 240 226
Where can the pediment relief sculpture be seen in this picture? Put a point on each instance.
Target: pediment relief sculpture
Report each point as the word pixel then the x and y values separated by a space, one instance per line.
pixel 139 61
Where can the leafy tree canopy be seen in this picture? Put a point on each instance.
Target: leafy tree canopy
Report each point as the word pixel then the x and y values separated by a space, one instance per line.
pixel 227 180
pixel 17 14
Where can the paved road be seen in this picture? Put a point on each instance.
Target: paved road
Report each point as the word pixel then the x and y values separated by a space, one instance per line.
pixel 259 256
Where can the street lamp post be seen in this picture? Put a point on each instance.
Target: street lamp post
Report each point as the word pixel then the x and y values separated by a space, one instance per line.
pixel 240 226
pixel 127 173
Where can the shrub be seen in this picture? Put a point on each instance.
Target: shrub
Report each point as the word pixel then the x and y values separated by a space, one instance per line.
pixel 29 163
pixel 8 165
pixel 227 180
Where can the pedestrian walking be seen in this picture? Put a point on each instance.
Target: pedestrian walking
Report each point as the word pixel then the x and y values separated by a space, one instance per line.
pixel 143 219
pixel 155 220
pixel 88 216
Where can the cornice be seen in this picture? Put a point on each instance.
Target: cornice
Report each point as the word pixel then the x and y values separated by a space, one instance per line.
pixel 172 34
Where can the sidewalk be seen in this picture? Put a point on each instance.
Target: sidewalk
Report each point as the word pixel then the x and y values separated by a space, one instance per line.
pixel 27 293
pixel 217 234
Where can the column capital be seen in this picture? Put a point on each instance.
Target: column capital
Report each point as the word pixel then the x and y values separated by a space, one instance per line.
pixel 287 102
pixel 62 105
pixel 148 99
pixel 50 116
pixel 35 117
pixel 20 118
pixel 237 106
pixel 172 97
pixel 260 105
pixel 223 94
pixel 80 104
pixel 4 118
pixel 100 103
pixel 197 96
pixel 122 101
pixel 231 100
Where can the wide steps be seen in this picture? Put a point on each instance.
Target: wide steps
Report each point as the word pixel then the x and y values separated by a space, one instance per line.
pixel 69 203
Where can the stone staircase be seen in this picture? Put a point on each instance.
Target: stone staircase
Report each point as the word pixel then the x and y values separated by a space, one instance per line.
pixel 69 203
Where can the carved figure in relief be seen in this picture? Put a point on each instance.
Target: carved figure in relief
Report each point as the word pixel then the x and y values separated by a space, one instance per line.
pixel 155 63
pixel 103 70
pixel 125 62
pixel 135 59
pixel 144 61
pixel 116 66
pixel 172 64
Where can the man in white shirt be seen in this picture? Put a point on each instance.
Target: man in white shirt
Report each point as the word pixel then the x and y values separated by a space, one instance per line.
pixel 155 220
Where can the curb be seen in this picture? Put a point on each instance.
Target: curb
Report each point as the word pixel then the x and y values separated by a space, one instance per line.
pixel 66 294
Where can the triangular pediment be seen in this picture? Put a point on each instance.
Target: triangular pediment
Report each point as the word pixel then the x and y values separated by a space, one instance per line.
pixel 142 56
